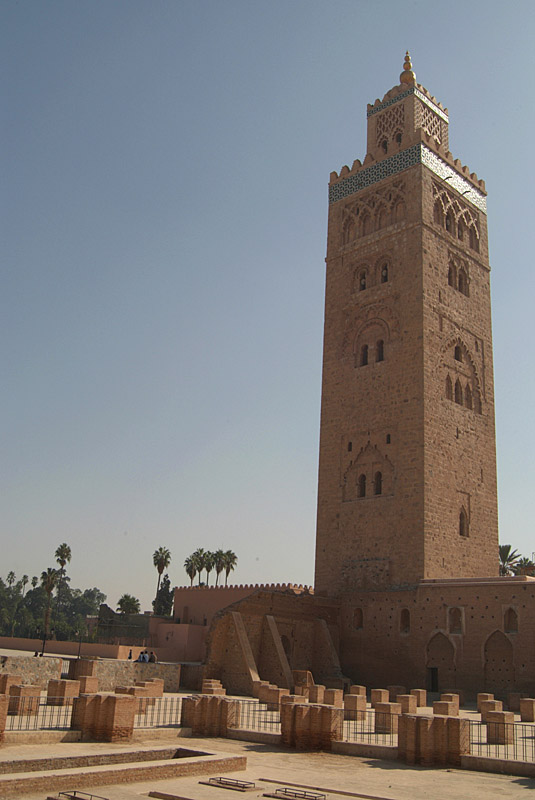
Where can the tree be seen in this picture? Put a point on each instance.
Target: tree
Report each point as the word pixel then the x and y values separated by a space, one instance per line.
pixel 163 604
pixel 191 568
pixel 508 559
pixel 63 557
pixel 35 581
pixel 209 563
pixel 128 604
pixel 10 578
pixel 24 582
pixel 161 560
pixel 219 564
pixel 49 579
pixel 198 558
pixel 524 566
pixel 231 559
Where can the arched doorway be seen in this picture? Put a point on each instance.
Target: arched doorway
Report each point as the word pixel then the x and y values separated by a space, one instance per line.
pixel 499 664
pixel 440 663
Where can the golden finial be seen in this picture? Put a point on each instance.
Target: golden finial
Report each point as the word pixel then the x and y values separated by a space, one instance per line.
pixel 407 76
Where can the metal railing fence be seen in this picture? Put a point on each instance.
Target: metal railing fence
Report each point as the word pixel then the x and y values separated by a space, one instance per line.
pixel 510 741
pixel 158 712
pixel 35 713
pixel 255 716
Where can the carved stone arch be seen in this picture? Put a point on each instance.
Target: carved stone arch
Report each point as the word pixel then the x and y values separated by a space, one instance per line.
pixel 373 331
pixel 382 217
pixel 362 270
pixel 463 370
pixel 349 227
pixel 359 478
pixel 380 264
pixel 498 658
pixel 440 657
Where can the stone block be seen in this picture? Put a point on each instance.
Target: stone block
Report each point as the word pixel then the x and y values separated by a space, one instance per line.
pixel 356 688
pixel 4 704
pixel 274 695
pixel 257 685
pixel 61 692
pixel 24 700
pixel 490 705
pixel 302 678
pixel 355 707
pixel 500 727
pixel 527 709
pixel 8 680
pixel 408 703
pixel 302 691
pixel 450 697
pixel 445 709
pixel 483 697
pixel 334 697
pixel 421 697
pixel 316 693
pixel 379 696
pixel 88 684
pixel 387 717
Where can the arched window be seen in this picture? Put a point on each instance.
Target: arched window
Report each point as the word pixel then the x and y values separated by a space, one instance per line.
pixel 363 355
pixel 399 137
pixel 449 222
pixel 384 273
pixel 361 485
pixel 348 230
pixel 468 397
pixel 451 275
pixel 455 620
pixel 438 214
pixel 358 621
pixel 449 388
pixel 460 230
pixel 378 483
pixel 366 225
pixel 474 240
pixel 510 621
pixel 362 281
pixel 382 218
pixel 380 350
pixel 405 621
pixel 458 353
pixel 384 145
pixel 463 282
pixel 463 523
pixel 458 392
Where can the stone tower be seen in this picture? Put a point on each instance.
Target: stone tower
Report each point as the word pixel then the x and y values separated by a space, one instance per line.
pixel 407 468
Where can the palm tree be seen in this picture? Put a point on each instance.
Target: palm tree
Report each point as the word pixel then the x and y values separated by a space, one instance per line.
pixel 10 578
pixel 231 559
pixel 508 559
pixel 128 604
pixel 161 560
pixel 35 581
pixel 219 564
pixel 49 579
pixel 190 567
pixel 524 566
pixel 62 556
pixel 24 582
pixel 198 557
pixel 209 564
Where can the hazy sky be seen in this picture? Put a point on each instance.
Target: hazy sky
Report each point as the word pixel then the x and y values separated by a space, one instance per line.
pixel 164 213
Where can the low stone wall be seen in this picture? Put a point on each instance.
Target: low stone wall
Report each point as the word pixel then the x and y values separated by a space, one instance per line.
pixel 35 671
pixel 112 673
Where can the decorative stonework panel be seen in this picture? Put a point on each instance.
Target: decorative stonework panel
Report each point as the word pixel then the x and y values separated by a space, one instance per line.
pixel 393 165
pixel 389 123
pixel 401 96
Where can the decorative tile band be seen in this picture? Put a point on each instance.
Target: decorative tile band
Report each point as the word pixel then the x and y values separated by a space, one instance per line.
pixel 419 95
pixel 416 154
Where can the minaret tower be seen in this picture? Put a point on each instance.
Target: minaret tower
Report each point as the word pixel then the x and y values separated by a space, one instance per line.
pixel 407 468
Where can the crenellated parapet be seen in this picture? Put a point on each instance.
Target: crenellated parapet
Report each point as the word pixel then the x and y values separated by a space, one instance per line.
pixel 421 148
pixel 400 92
pixel 271 587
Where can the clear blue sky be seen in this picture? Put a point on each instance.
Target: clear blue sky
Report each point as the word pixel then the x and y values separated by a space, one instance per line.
pixel 164 215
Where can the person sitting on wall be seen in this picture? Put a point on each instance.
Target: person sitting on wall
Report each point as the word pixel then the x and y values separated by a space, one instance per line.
pixel 153 658
pixel 141 657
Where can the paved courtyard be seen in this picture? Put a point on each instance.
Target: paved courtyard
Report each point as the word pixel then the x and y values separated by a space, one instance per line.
pixel 271 768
